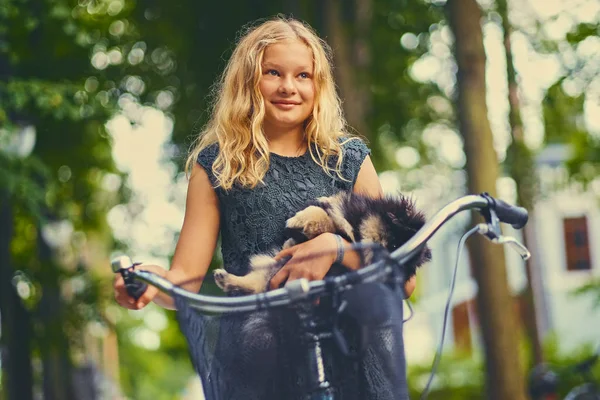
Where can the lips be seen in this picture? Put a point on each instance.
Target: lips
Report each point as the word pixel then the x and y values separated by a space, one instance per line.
pixel 285 105
pixel 286 102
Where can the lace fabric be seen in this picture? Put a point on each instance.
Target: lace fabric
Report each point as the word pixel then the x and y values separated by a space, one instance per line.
pixel 253 220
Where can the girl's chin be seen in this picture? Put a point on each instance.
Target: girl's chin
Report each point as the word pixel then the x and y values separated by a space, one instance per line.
pixel 285 122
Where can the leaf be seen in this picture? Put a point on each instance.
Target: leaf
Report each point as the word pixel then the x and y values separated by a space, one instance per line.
pixel 592 289
pixel 582 31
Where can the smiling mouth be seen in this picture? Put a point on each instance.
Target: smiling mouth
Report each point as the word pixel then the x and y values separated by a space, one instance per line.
pixel 285 103
pixel 285 106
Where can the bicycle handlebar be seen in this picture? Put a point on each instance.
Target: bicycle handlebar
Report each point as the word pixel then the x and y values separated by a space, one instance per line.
pixel 303 289
pixel 513 215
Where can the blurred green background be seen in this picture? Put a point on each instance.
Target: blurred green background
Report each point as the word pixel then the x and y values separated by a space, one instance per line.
pixel 101 99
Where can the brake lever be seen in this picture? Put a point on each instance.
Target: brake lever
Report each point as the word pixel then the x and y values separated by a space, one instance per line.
pixel 495 237
pixel 516 245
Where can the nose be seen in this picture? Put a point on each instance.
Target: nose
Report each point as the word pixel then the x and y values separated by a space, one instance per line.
pixel 287 85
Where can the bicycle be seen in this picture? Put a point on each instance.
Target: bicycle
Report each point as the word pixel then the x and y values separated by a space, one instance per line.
pixel 324 329
pixel 544 381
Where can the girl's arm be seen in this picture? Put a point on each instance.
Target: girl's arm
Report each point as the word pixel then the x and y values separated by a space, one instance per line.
pixel 194 250
pixel 367 183
pixel 198 238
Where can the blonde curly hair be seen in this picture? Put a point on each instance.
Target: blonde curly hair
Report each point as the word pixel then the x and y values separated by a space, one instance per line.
pixel 238 109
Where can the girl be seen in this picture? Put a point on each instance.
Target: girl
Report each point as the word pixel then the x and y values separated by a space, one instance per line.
pixel 275 140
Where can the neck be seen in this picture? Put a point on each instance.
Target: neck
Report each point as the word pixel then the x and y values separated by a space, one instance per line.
pixel 286 141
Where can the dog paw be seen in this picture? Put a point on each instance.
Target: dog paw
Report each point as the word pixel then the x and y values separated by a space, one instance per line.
pixel 312 221
pixel 221 278
pixel 238 285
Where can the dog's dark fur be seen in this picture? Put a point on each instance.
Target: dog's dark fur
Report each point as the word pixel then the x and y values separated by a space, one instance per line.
pixel 390 221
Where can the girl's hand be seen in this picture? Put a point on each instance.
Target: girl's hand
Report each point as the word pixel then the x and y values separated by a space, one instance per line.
pixel 303 264
pixel 125 300
pixel 410 285
pixel 304 261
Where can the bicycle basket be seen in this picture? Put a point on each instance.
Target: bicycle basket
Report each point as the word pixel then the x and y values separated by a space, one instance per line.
pixel 265 355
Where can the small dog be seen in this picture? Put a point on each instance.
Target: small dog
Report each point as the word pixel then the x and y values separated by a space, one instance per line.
pixel 389 221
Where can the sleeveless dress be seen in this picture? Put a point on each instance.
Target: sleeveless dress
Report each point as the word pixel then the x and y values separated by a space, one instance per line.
pixel 252 222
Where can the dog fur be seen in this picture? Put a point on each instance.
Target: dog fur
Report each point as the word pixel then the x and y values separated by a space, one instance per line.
pixel 389 221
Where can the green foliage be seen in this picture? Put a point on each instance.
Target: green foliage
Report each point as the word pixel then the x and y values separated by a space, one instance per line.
pixel 564 123
pixel 565 101
pixel 584 164
pixel 401 102
pixel 562 114
pixel 23 180
pixel 590 288
pixel 562 363
pixel 48 81
pixel 458 377
pixel 461 376
pixel 61 100
pixel 158 374
pixel 581 32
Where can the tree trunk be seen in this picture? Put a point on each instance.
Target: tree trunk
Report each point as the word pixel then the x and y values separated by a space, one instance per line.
pixel 17 376
pixel 56 364
pixel 15 344
pixel 351 59
pixel 523 172
pixel 504 378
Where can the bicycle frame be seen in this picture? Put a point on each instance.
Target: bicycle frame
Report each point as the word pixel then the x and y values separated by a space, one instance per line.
pixel 320 387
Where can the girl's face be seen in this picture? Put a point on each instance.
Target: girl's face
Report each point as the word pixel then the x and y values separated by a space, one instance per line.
pixel 287 85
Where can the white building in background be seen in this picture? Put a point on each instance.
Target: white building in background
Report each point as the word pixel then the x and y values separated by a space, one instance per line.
pixel 564 237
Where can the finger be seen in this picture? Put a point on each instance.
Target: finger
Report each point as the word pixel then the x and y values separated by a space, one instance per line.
pixel 410 285
pixel 286 252
pixel 299 273
pixel 292 277
pixel 121 288
pixel 146 298
pixel 118 282
pixel 141 302
pixel 124 301
pixel 121 291
pixel 279 278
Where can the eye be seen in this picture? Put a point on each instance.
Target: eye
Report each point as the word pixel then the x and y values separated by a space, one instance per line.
pixel 304 75
pixel 272 72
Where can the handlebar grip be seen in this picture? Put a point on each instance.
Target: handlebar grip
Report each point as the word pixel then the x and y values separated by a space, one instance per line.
pixel 136 288
pixel 507 213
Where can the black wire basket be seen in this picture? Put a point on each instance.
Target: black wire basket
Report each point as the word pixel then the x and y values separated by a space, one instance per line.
pixel 269 354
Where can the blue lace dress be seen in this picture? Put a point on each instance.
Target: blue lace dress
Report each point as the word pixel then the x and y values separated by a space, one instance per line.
pixel 252 222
